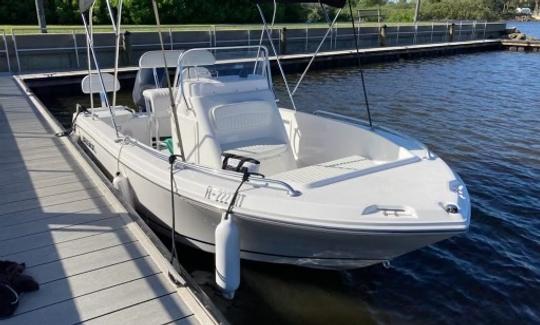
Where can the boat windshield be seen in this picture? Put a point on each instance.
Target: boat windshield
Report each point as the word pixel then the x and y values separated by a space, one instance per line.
pixel 224 64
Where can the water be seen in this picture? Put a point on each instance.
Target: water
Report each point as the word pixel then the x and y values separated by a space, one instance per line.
pixel 529 28
pixel 480 113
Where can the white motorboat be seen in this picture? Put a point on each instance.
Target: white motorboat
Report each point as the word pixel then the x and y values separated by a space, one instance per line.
pixel 336 193
pixel 320 190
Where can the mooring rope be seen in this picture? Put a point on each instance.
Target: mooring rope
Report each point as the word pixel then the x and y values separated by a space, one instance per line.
pixel 174 251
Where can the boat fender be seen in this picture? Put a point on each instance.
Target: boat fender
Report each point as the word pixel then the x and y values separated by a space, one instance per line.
pixel 121 184
pixel 227 239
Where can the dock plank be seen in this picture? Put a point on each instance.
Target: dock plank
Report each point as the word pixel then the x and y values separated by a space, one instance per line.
pixel 56 216
pixel 46 161
pixel 83 284
pixel 50 224
pixel 25 186
pixel 84 263
pixel 107 223
pixel 40 193
pixel 78 205
pixel 12 207
pixel 91 243
pixel 161 310
pixel 100 303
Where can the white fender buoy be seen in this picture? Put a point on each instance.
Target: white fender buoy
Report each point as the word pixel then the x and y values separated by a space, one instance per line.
pixel 121 184
pixel 227 238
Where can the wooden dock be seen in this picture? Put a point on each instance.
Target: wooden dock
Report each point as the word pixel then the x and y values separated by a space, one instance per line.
pixel 94 264
pixel 297 62
pixel 521 45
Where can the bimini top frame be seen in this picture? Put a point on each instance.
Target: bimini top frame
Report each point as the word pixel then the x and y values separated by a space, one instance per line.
pixel 333 3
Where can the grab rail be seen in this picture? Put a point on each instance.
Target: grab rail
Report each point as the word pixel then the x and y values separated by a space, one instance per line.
pixel 222 173
pixel 364 123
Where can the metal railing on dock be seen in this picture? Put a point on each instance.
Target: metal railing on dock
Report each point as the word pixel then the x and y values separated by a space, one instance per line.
pixel 65 49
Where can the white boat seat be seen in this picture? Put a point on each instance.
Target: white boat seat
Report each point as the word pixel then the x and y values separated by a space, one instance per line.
pixel 196 73
pixel 239 127
pixel 273 158
pixel 158 104
pixel 235 115
pixel 158 101
pixel 259 151
pixel 92 83
pixel 205 86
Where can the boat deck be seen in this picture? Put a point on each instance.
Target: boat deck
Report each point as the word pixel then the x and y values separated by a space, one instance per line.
pixel 93 264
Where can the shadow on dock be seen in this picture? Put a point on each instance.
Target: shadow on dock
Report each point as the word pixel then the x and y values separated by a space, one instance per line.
pixel 53 217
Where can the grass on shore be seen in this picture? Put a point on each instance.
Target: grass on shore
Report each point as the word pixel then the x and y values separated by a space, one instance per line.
pixel 34 29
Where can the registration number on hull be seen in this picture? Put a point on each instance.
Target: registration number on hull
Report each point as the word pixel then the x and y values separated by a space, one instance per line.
pixel 218 195
pixel 88 143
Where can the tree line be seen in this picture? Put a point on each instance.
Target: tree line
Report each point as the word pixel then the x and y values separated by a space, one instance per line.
pixel 244 11
pixel 140 12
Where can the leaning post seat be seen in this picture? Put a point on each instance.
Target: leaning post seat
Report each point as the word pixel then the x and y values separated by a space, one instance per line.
pixel 158 105
pixel 151 73
pixel 232 115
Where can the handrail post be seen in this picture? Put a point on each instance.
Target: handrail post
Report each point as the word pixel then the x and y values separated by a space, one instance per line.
pixel 171 42
pixel 336 38
pixel 15 47
pixel 283 40
pixel 382 35
pixel 6 46
pixel 451 30
pixel 306 45
pixel 76 47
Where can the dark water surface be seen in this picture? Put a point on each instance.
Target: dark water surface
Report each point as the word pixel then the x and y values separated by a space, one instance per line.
pixel 481 114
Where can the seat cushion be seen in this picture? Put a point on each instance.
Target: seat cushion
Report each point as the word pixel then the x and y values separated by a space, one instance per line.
pixel 259 151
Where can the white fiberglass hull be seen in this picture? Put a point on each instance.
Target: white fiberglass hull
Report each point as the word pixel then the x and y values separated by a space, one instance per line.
pixel 261 239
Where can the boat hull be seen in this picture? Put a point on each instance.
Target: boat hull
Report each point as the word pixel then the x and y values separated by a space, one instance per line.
pixel 262 240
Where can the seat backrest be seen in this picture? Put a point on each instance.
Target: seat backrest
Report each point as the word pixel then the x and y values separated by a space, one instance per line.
pixel 158 104
pixel 158 101
pixel 92 83
pixel 221 122
pixel 243 121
